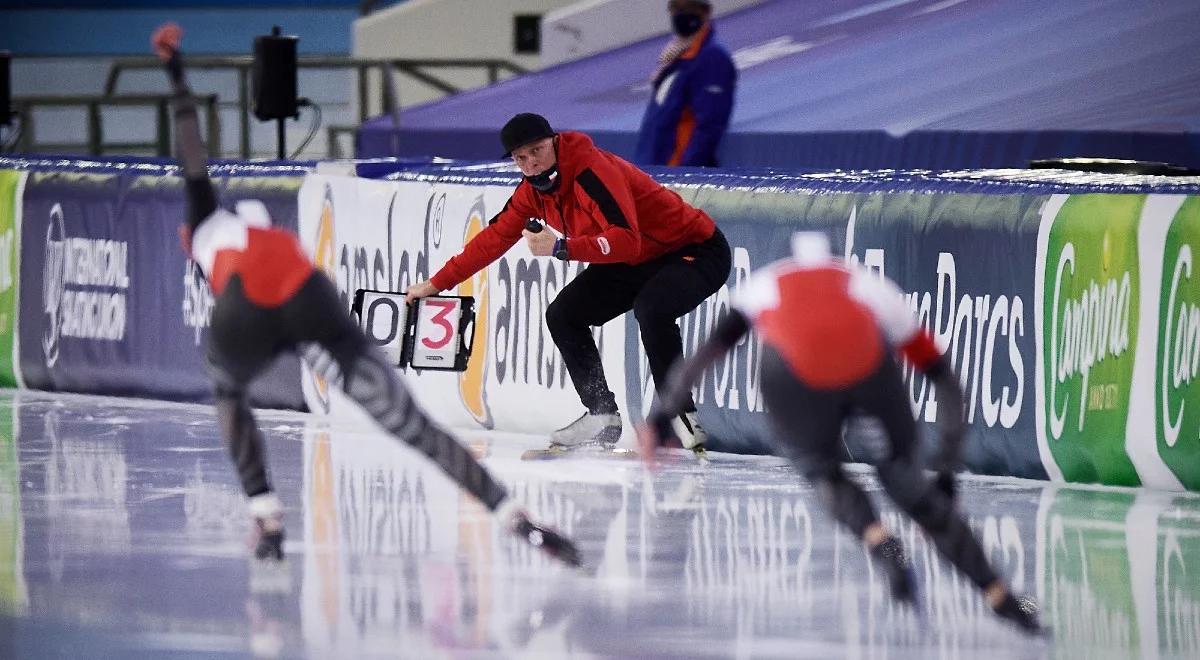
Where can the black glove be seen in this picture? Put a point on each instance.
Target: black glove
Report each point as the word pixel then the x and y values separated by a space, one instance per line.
pixel 947 483
pixel 663 429
pixel 547 540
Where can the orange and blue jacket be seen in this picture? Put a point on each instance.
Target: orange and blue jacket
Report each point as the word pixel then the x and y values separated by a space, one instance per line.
pixel 690 108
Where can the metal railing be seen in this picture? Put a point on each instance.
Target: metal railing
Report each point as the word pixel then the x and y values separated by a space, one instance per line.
pixel 417 69
pixel 95 144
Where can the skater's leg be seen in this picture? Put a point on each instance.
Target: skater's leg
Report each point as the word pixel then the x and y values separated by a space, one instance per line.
pixel 241 345
pixel 330 342
pixel 807 428
pixel 599 294
pixel 243 440
pixel 682 281
pixel 904 480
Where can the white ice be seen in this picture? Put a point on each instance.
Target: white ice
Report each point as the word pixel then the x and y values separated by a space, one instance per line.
pixel 123 534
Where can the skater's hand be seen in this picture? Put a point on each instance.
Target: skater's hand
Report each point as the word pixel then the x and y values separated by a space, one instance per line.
pixel 185 240
pixel 541 243
pixel 648 445
pixel 652 434
pixel 420 290
pixel 166 40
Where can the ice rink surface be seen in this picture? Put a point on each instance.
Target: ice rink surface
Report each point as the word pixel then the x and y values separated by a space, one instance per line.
pixel 122 534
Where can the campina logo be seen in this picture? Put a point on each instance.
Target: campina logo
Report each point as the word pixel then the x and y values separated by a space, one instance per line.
pixel 83 287
pixel 324 259
pixel 1178 348
pixel 1089 330
pixel 1089 323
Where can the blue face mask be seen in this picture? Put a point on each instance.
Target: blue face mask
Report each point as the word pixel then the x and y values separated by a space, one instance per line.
pixel 546 181
pixel 686 25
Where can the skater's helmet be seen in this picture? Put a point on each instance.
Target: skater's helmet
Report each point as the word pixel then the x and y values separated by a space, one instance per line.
pixel 810 247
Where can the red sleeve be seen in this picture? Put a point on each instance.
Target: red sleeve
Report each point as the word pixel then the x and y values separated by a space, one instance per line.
pixel 607 198
pixel 921 350
pixel 502 233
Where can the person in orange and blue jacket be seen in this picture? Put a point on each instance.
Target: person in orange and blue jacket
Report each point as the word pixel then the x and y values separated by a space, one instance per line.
pixel 693 93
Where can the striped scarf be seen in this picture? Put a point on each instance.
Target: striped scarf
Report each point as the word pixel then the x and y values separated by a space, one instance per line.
pixel 675 47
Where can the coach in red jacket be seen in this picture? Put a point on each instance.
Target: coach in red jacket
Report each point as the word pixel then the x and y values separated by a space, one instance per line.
pixel 649 251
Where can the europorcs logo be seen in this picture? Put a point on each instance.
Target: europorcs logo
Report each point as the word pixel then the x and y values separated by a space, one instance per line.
pixel 1090 321
pixel 1177 356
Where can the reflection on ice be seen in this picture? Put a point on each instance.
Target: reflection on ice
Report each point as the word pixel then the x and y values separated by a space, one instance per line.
pixel 122 530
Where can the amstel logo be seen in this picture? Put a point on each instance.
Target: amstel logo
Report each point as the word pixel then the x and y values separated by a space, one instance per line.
pixel 471 383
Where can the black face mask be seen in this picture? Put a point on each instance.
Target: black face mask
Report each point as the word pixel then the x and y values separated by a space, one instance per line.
pixel 686 25
pixel 546 181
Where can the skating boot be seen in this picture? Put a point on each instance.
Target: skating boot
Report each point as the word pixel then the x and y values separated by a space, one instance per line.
pixel 539 536
pixel 691 435
pixel 890 555
pixel 603 429
pixel 270 539
pixel 268 526
pixel 1022 612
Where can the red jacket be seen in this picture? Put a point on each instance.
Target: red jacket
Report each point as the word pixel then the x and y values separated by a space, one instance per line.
pixel 609 211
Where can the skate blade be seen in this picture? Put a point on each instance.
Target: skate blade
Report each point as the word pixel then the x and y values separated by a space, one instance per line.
pixel 583 451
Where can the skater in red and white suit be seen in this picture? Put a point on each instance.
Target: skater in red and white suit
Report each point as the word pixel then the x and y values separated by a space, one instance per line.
pixel 269 299
pixel 828 336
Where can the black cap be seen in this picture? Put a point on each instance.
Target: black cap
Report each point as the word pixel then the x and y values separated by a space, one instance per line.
pixel 523 129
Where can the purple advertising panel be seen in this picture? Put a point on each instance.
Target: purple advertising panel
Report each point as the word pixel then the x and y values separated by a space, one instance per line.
pixel 109 302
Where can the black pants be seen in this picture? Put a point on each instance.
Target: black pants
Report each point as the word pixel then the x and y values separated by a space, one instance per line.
pixel 806 426
pixel 246 338
pixel 657 291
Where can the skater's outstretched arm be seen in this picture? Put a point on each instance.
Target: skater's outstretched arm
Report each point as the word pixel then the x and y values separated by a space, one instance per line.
pixel 189 146
pixel 672 399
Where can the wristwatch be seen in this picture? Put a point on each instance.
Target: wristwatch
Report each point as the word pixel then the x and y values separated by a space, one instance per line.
pixel 560 249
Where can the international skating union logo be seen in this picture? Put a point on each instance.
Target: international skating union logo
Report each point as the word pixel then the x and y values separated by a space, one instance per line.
pixel 84 281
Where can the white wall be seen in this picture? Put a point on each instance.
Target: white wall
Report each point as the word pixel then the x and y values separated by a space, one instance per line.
pixel 445 29
pixel 593 26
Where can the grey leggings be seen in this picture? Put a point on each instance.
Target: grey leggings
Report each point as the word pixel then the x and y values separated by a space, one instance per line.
pixel 806 428
pixel 244 340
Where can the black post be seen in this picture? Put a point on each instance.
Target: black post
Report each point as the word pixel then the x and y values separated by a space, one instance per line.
pixel 282 138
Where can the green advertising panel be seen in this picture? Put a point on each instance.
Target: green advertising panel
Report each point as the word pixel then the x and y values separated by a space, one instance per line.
pixel 1089 591
pixel 1090 328
pixel 13 597
pixel 1177 359
pixel 1178 582
pixel 10 205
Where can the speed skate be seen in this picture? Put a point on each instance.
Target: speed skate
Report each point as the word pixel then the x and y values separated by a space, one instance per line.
pixel 593 450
